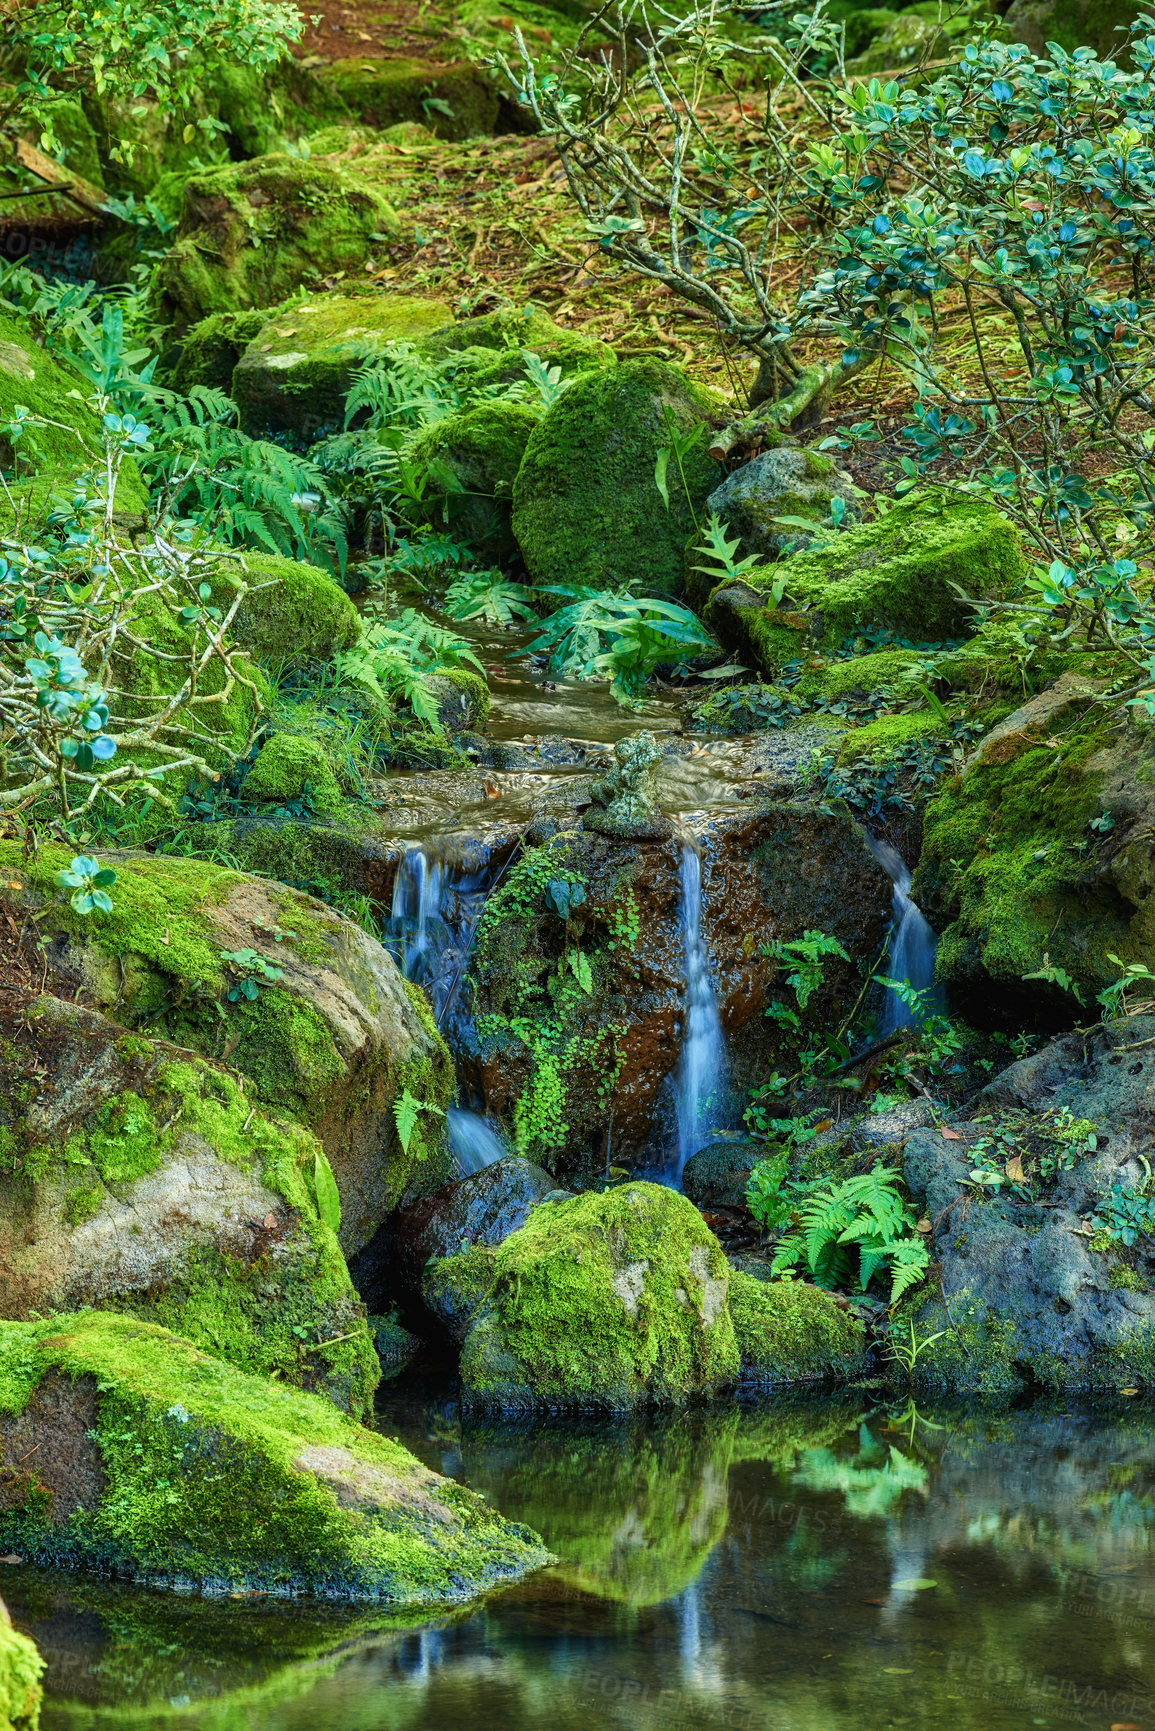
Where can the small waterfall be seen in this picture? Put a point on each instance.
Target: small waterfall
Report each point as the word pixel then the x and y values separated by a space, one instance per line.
pixel 474 1142
pixel 913 941
pixel 437 903
pixel 702 1062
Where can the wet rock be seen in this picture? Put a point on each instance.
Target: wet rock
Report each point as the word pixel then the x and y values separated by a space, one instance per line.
pixel 561 1051
pixel 128 1452
pixel 296 372
pixel 251 233
pixel 610 1302
pixel 394 1345
pixel 454 1288
pixel 138 1177
pixel 1029 1293
pixel 625 801
pixel 585 507
pixel 787 482
pixel 331 1038
pixel 789 1332
pixel 716 1177
pixel 481 1209
pixel 900 571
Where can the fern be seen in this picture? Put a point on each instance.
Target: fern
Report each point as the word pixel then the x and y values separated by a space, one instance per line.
pixel 600 633
pixel 487 596
pixel 864 1214
pixel 396 658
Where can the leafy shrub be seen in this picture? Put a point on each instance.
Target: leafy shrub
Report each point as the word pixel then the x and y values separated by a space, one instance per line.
pixel 844 1232
pixel 396 658
pixel 599 633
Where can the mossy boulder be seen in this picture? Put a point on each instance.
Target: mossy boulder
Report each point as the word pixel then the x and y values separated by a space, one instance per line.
pixel 1042 846
pixel 136 1177
pixel 293 613
pixel 21 1668
pixel 130 1452
pixel 483 1208
pixel 489 351
pixel 289 767
pixel 784 482
pixel 586 505
pixel 789 1332
pixel 471 460
pixel 43 456
pixel 208 353
pixel 331 1041
pixel 898 572
pixel 253 232
pixel 454 1288
pixel 295 374
pixel 1097 24
pixel 611 1301
pixel 454 100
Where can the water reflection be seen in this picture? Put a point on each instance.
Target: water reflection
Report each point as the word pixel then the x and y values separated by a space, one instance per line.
pixel 784 1566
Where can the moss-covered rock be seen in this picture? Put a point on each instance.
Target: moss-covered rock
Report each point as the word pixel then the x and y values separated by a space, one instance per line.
pixel 471 460
pixel 586 506
pixel 70 445
pixel 293 613
pixel 294 375
pixel 489 351
pixel 251 233
pixel 789 1332
pixel 454 1288
pixel 454 100
pixel 613 1301
pixel 21 1668
pixel 1012 867
pixel 780 483
pixel 129 1452
pixel 898 572
pixel 136 1177
pixel 717 1176
pixel 208 353
pixel 903 41
pixel 332 1040
pixel 1097 24
pixel 289 767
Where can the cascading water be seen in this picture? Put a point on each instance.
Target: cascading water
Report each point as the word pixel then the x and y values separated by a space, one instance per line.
pixel 473 1140
pixel 702 1062
pixel 913 941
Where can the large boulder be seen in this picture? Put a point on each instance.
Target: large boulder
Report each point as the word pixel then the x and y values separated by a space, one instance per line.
pixel 1031 1290
pixel 21 1668
pixel 789 1333
pixel 296 372
pixel 612 1301
pixel 292 768
pixel 251 233
pixel 1042 847
pixel 909 571
pixel 454 100
pixel 717 1176
pixel 488 352
pixel 785 482
pixel 291 613
pixel 586 504
pixel 331 1037
pixel 470 461
pixel 129 1452
pixel 134 1176
pixel 481 1209
pixel 557 1058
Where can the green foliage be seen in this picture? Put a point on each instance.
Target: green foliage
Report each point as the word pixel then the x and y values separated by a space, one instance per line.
pixel 489 597
pixel 907 1352
pixel 764 1197
pixel 255 971
pixel 680 442
pixel 806 958
pixel 1127 1215
pixel 1023 1152
pixel 407 1112
pixel 855 1227
pixel 89 883
pixel 600 633
pixel 720 554
pixel 396 658
pixel 1121 997
pixel 325 1191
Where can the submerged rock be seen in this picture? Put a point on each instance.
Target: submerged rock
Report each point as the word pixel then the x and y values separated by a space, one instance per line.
pixel 586 507
pixel 251 233
pixel 331 1036
pixel 128 1452
pixel 1033 1293
pixel 136 1177
pixel 604 1301
pixel 297 370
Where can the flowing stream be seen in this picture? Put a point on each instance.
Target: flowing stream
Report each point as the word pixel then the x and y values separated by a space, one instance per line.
pixel 702 1064
pixel 913 942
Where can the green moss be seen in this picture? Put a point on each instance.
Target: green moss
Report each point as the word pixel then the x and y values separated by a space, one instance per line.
pixel 122 1142
pixel 209 352
pixel 32 379
pixel 453 101
pixel 610 1300
pixel 295 374
pixel 481 448
pixel 455 1287
pixel 790 1332
pixel 488 352
pixel 880 741
pixel 252 233
pixel 292 614
pixel 21 1668
pixel 586 507
pixel 287 768
pixel 462 699
pixel 882 668
pixel 186 1443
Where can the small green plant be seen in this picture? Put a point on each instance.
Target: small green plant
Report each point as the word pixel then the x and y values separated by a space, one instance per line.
pixel 1128 1214
pixel 907 1352
pixel 679 443
pixel 720 554
pixel 407 1110
pixel 546 381
pixel 325 1191
pixel 489 597
pixel 764 1197
pixel 806 957
pixel 599 633
pixel 396 658
pixel 89 882
pixel 854 1229
pixel 563 895
pixel 1052 975
pixel 1132 994
pixel 255 971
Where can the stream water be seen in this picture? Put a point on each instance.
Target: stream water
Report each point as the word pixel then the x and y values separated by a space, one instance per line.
pixel 784 1566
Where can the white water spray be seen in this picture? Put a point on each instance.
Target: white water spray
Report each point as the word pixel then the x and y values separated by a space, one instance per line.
pixel 912 941
pixel 701 1065
pixel 474 1142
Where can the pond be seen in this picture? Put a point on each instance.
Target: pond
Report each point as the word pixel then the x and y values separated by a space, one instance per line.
pixel 833 1563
